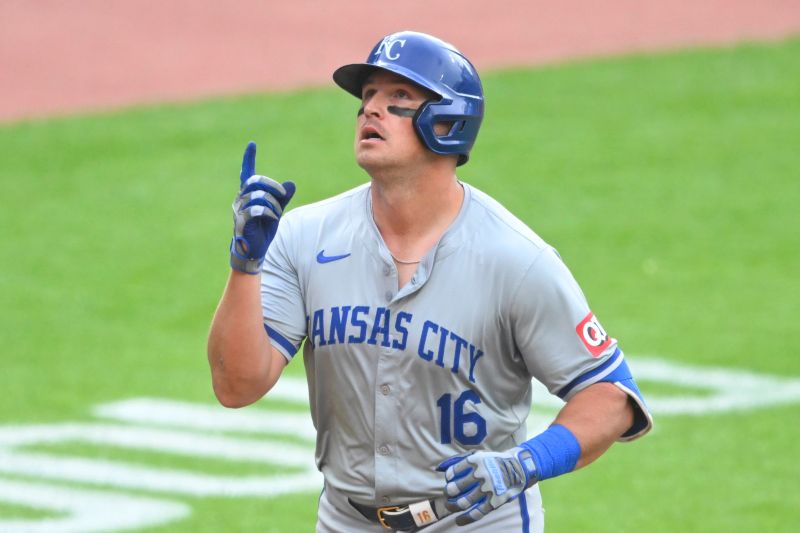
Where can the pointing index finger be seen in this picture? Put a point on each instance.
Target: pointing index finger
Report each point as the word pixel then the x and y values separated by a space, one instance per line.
pixel 248 162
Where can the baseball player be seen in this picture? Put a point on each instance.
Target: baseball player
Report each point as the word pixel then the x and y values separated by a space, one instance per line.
pixel 424 309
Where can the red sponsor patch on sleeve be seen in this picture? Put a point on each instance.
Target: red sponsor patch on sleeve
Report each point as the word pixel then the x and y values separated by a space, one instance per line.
pixel 593 336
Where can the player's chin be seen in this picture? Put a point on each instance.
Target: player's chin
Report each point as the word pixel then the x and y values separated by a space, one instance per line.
pixel 369 159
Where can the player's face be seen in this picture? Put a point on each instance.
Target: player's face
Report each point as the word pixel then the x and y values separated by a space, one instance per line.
pixel 385 136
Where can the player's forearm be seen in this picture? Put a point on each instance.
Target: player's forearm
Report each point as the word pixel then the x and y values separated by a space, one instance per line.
pixel 590 422
pixel 238 346
pixel 597 416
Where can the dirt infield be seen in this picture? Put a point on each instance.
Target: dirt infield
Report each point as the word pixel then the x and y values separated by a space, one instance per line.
pixel 63 57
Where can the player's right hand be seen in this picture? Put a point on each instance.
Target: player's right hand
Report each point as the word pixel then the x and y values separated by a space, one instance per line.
pixel 256 211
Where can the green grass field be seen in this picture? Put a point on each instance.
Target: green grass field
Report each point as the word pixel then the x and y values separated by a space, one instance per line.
pixel 670 184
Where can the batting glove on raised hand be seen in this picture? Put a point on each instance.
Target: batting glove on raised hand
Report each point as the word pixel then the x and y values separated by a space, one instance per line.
pixel 256 211
pixel 483 481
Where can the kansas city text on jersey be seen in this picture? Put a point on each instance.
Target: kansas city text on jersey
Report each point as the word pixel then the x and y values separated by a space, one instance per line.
pixel 363 324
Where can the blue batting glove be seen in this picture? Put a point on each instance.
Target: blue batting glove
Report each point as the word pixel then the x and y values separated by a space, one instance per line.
pixel 256 211
pixel 481 482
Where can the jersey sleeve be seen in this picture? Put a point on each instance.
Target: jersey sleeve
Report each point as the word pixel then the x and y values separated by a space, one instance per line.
pixel 282 301
pixel 562 343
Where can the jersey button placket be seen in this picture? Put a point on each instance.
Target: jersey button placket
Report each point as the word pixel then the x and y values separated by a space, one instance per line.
pixel 388 350
pixel 386 426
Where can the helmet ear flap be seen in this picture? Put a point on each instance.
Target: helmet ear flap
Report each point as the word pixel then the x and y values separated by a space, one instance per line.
pixel 426 129
pixel 418 126
pixel 463 130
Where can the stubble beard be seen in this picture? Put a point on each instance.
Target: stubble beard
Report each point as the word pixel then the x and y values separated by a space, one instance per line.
pixel 376 164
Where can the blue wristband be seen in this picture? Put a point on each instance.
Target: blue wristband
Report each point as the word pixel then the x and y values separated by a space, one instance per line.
pixel 555 451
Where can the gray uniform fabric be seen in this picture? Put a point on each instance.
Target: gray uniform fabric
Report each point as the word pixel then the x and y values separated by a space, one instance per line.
pixel 401 379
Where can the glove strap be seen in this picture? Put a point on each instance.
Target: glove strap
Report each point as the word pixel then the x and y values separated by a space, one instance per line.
pixel 525 458
pixel 244 264
pixel 555 451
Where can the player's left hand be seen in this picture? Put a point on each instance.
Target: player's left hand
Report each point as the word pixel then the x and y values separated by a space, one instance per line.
pixel 483 481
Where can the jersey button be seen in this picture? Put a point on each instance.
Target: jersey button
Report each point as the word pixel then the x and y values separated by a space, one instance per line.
pixel 388 296
pixel 386 270
pixel 383 450
pixel 385 499
pixel 385 390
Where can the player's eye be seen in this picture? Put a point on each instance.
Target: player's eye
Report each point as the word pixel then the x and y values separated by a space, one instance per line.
pixel 401 94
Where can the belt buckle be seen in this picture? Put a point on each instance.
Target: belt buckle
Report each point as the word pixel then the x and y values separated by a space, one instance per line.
pixel 382 510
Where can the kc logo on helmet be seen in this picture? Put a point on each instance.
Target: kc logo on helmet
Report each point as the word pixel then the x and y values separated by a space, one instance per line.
pixel 389 49
pixel 593 336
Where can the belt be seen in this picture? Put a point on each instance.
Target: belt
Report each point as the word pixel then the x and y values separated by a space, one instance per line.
pixel 404 518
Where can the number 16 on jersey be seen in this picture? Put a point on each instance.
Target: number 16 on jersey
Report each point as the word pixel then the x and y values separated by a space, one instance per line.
pixel 467 427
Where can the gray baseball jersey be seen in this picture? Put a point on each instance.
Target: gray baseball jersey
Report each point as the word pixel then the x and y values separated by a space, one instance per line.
pixel 403 378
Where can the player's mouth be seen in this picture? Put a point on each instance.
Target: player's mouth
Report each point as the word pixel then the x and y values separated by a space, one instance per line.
pixel 370 134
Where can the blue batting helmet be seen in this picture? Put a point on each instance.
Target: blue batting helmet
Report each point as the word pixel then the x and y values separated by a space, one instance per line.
pixel 438 67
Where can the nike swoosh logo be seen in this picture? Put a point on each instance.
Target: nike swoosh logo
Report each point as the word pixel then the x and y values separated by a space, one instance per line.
pixel 322 258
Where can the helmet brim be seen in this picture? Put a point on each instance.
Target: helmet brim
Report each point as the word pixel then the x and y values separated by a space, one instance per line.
pixel 351 77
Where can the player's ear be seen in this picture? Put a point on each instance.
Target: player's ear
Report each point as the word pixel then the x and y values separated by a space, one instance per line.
pixel 443 128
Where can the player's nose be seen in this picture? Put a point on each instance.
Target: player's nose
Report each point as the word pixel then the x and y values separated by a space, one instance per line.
pixel 374 106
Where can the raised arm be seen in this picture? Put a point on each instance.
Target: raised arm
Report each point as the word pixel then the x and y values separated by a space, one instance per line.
pixel 244 365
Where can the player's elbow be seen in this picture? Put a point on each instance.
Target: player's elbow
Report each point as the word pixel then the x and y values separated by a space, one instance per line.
pixel 240 377
pixel 232 402
pixel 233 399
pixel 232 389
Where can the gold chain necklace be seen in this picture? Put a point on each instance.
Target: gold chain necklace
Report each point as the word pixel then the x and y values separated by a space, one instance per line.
pixel 400 261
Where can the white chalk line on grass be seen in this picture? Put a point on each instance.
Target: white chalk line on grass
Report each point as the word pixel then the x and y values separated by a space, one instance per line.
pixel 167 441
pixel 214 433
pixel 85 511
pixel 211 418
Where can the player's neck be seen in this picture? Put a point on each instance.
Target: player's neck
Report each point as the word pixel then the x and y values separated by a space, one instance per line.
pixel 413 216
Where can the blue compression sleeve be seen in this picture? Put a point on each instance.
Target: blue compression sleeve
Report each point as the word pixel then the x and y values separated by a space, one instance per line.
pixel 555 451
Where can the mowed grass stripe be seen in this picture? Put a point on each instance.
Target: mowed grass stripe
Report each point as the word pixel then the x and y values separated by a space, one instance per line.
pixel 21 512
